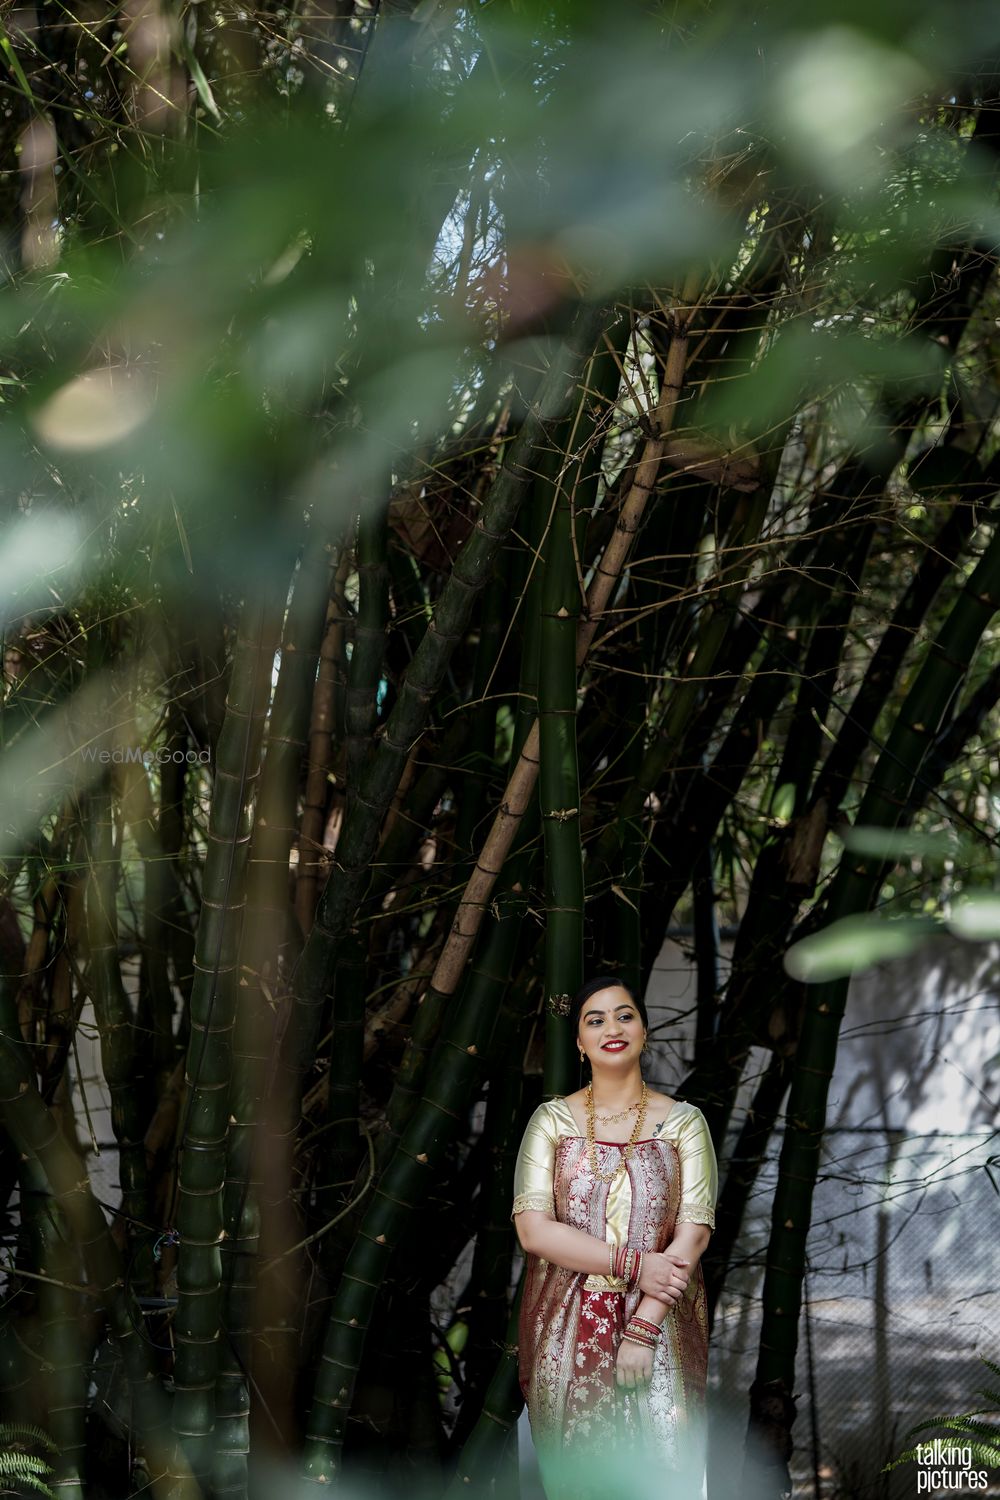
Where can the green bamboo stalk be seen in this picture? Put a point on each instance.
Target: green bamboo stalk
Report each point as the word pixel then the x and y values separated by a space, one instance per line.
pixel 36 1134
pixel 573 480
pixel 47 1344
pixel 202 1169
pixel 368 650
pixel 559 782
pixel 324 726
pixel 359 835
pixel 491 1447
pixel 888 803
pixel 748 1156
pixel 455 1071
pixel 489 1278
pixel 120 1058
pixel 262 961
pixel 180 927
pixel 369 638
pixel 342 1143
pixel 161 905
pixel 61 1337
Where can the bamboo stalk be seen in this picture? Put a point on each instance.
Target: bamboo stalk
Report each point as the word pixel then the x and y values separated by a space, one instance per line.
pixel 262 961
pixel 365 671
pixel 161 900
pixel 36 1134
pixel 321 733
pixel 343 1144
pixel 495 1238
pixel 491 1439
pixel 559 788
pixel 202 1171
pixel 113 1012
pixel 61 1336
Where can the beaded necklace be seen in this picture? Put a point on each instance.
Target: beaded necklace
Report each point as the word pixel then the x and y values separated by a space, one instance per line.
pixel 625 1146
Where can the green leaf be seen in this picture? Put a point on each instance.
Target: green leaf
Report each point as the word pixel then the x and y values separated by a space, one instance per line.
pixel 783 803
pixel 856 943
pixel 976 918
pixel 899 843
pixel 201 83
pixel 14 64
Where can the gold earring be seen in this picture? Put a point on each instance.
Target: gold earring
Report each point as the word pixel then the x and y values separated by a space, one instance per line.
pixel 645 1045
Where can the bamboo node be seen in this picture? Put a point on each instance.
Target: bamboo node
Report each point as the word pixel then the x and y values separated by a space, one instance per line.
pixel 563 814
pixel 352 1322
pixel 559 1004
pixel 473 1050
pixel 789 1223
pixel 23 1086
pixel 421 1156
pixel 380 1239
pixel 562 613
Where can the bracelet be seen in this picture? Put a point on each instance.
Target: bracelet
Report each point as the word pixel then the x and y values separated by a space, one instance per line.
pixel 633 1338
pixel 613 1248
pixel 628 1265
pixel 640 1325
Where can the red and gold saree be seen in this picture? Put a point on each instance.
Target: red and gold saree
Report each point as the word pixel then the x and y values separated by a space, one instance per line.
pixel 571 1323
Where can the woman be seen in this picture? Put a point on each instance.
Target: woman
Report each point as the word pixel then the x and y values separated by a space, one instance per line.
pixel 614 1199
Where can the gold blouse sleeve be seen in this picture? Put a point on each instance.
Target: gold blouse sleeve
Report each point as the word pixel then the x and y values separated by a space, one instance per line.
pixel 533 1172
pixel 699 1171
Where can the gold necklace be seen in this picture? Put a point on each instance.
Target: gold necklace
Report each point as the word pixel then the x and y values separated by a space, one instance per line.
pixel 622 1114
pixel 624 1146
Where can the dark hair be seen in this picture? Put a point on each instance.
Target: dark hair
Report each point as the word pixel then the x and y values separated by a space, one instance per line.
pixel 604 982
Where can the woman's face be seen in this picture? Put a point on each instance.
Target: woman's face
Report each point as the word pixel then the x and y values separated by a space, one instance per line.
pixel 610 1029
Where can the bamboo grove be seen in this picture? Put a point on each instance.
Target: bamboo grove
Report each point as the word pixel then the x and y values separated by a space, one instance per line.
pixel 470 511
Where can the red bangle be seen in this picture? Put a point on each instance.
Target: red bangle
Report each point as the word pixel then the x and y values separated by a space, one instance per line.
pixel 641 1323
pixel 628 1264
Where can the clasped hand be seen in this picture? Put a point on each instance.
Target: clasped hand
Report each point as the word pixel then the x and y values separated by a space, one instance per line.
pixel 664 1275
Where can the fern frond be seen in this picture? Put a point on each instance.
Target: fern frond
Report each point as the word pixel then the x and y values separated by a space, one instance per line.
pixel 16 1465
pixel 29 1482
pixel 25 1432
pixel 989 1436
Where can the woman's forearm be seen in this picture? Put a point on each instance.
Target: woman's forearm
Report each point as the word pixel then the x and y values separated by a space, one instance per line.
pixel 563 1245
pixel 689 1242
